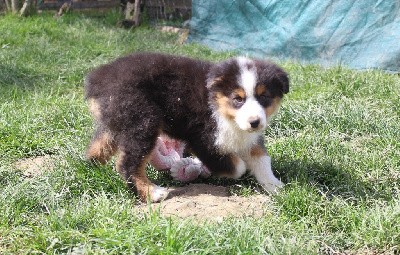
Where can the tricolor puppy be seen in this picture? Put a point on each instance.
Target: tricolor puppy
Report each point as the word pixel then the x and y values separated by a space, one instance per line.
pixel 219 110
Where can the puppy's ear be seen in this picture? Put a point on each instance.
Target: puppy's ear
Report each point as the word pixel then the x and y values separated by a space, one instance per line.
pixel 223 74
pixel 281 81
pixel 215 75
pixel 212 81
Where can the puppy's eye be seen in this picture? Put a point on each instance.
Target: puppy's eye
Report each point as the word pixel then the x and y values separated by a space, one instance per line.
pixel 238 101
pixel 263 99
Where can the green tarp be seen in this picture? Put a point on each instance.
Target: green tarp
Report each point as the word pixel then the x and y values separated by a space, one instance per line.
pixel 360 34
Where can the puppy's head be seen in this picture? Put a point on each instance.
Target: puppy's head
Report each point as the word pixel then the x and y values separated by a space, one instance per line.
pixel 246 92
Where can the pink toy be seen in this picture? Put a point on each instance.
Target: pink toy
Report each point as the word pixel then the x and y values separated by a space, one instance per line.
pixel 168 155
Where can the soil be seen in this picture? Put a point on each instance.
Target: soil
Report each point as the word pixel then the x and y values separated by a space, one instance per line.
pixel 203 202
pixel 35 166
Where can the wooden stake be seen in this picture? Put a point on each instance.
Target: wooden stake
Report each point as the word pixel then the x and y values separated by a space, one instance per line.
pixel 136 13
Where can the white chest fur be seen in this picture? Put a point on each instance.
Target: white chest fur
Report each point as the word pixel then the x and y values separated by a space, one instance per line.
pixel 229 138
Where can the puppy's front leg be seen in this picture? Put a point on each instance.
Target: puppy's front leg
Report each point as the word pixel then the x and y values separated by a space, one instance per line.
pixel 259 164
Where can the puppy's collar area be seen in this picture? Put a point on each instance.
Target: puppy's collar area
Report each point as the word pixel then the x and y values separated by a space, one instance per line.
pixel 229 138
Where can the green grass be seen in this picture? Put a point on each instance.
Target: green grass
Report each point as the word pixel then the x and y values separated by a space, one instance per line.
pixel 335 143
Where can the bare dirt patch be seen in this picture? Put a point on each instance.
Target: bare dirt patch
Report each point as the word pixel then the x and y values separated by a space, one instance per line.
pixel 208 202
pixel 35 166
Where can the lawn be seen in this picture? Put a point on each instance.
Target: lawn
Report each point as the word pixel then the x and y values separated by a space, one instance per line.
pixel 335 143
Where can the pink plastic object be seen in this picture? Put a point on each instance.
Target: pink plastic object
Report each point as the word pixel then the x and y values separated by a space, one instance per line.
pixel 168 155
pixel 189 169
pixel 167 151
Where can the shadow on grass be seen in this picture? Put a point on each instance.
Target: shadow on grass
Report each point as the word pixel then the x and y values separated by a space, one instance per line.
pixel 19 77
pixel 331 180
pixel 326 177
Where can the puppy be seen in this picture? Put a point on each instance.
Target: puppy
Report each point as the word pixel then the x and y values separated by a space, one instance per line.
pixel 219 110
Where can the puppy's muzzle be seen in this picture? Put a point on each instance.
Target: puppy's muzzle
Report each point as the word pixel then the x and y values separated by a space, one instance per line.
pixel 255 123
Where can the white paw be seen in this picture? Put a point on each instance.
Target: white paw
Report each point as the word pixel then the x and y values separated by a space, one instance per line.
pixel 158 193
pixel 273 185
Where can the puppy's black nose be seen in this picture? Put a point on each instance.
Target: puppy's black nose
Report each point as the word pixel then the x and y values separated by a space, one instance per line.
pixel 255 123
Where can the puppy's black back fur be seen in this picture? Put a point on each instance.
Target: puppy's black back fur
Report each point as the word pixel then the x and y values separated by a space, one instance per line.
pixel 143 94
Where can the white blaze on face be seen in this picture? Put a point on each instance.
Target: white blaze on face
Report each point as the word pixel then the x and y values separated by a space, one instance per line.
pixel 251 109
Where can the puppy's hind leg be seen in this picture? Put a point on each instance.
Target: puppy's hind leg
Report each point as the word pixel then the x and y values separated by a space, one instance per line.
pixel 134 154
pixel 102 147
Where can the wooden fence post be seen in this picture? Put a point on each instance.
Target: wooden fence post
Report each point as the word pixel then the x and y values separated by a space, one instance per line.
pixel 136 13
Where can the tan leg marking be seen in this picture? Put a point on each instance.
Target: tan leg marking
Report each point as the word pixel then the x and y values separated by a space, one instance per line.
pixel 258 151
pixel 260 165
pixel 240 168
pixel 146 190
pixel 102 148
